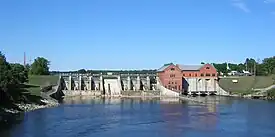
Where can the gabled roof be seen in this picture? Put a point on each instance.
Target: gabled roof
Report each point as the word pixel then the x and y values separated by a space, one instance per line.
pixel 164 67
pixel 190 67
pixel 184 67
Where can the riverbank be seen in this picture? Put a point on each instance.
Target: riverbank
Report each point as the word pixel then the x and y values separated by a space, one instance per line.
pixel 251 97
pixel 14 113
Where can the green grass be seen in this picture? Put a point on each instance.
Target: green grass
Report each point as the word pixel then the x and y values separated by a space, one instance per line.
pixel 36 82
pixel 263 81
pixel 43 80
pixel 33 90
pixel 245 84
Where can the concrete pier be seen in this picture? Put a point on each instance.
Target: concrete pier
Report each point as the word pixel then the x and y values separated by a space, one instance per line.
pixel 138 83
pixel 148 83
pixel 129 83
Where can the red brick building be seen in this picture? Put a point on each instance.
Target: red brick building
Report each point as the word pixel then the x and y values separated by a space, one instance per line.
pixel 173 76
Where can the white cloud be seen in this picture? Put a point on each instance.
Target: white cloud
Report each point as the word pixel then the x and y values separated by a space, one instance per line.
pixel 240 4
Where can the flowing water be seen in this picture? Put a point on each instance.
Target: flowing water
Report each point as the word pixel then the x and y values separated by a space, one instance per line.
pixel 99 117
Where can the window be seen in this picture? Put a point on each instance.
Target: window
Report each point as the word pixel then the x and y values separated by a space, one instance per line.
pixel 207 68
pixel 196 75
pixel 202 74
pixel 172 69
pixel 213 74
pixel 172 82
pixel 165 86
pixel 175 82
pixel 189 75
pixel 179 87
pixel 175 87
pixel 183 74
pixel 172 75
pixel 169 82
pixel 208 75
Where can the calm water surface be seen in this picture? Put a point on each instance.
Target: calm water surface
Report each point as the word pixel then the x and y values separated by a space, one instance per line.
pixel 97 117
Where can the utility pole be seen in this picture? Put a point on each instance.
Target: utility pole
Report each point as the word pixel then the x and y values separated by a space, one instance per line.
pixel 246 66
pixel 255 68
pixel 25 59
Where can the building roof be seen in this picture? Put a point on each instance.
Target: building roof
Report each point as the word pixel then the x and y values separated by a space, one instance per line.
pixel 183 67
pixel 163 68
pixel 190 67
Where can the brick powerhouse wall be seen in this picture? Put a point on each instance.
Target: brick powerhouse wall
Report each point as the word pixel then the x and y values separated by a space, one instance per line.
pixel 206 69
pixel 172 76
pixel 171 79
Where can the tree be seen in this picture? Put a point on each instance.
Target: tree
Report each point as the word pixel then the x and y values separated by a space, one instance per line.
pixel 81 71
pixel 28 68
pixel 19 73
pixel 241 67
pixel 269 65
pixel 221 67
pixel 40 66
pixel 249 62
pixel 5 74
pixel 261 70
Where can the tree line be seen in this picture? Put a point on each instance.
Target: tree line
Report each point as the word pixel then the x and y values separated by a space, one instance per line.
pixel 104 72
pixel 260 67
pixel 13 76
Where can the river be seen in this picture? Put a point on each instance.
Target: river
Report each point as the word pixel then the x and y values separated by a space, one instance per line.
pixel 98 117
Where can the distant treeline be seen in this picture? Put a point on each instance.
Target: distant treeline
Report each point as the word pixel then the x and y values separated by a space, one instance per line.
pixel 259 67
pixel 104 72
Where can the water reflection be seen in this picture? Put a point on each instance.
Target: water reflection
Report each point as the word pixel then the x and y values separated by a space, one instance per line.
pixel 150 117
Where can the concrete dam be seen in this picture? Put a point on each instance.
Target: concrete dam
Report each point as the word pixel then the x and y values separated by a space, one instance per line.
pixel 124 85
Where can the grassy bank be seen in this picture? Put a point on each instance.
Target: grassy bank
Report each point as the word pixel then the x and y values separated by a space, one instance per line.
pixel 271 93
pixel 246 84
pixel 36 82
pixel 27 93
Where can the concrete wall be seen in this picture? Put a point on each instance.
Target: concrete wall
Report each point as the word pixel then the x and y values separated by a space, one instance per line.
pixel 95 83
pixel 221 91
pixel 140 93
pixel 201 84
pixel 112 87
pixel 72 93
pixel 164 91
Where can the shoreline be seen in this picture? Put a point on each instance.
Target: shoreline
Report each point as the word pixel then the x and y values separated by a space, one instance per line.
pixel 183 98
pixel 11 116
pixel 31 106
pixel 121 96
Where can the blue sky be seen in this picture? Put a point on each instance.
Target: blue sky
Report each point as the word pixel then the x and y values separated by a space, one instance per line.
pixel 136 34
